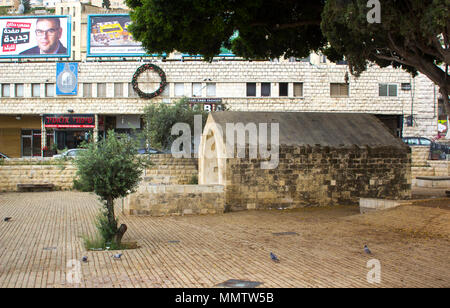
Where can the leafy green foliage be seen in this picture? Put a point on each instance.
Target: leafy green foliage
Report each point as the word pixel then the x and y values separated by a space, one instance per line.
pixel 266 28
pixel 106 4
pixel 106 230
pixel 110 168
pixel 159 120
pixel 412 34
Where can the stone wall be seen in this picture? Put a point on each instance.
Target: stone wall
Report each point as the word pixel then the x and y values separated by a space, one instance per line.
pixel 309 176
pixel 169 170
pixel 160 200
pixel 59 175
pixel 422 166
pixel 230 78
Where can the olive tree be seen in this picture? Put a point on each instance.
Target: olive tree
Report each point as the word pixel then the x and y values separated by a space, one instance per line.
pixel 111 169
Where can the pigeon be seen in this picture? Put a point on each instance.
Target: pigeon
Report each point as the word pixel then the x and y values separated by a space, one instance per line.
pixel 367 250
pixel 7 219
pixel 117 256
pixel 84 259
pixel 274 257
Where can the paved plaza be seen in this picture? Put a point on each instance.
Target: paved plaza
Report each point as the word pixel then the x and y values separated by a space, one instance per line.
pixel 317 247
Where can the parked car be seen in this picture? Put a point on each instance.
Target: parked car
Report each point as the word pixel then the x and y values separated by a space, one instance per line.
pixel 69 153
pixel 437 150
pixel 149 151
pixel 417 141
pixel 3 156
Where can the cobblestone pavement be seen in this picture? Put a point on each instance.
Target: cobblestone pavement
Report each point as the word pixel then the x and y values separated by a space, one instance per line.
pixel 411 243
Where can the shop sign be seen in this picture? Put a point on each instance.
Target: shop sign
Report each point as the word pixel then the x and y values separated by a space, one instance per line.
pixel 209 104
pixel 69 121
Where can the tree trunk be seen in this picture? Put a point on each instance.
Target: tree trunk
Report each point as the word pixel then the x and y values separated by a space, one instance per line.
pixel 120 232
pixel 110 208
pixel 444 93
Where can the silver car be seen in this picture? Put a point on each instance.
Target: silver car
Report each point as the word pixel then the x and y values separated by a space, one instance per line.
pixel 69 153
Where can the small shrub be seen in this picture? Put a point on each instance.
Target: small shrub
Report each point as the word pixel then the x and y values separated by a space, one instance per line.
pixel 194 180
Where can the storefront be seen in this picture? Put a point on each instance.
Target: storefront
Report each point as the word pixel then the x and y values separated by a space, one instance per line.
pixel 68 130
pixel 20 135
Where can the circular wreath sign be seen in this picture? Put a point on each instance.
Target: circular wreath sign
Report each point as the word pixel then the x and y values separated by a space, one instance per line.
pixel 142 69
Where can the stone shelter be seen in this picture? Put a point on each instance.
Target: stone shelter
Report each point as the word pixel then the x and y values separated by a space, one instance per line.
pixel 322 159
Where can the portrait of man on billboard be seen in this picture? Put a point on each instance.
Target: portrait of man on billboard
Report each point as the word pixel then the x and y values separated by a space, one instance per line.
pixel 48 34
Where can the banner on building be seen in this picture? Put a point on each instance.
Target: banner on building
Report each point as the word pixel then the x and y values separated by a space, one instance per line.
pixel 108 36
pixel 66 78
pixel 69 120
pixel 35 36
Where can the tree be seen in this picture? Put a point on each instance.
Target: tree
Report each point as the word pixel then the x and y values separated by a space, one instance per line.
pixel 413 34
pixel 111 169
pixel 159 120
pixel 267 28
pixel 106 4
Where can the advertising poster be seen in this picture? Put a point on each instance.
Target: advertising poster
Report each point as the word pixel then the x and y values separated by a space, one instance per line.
pixel 35 36
pixel 108 36
pixel 66 78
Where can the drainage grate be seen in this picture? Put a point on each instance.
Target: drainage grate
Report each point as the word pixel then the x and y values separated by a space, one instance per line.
pixel 173 242
pixel 285 233
pixel 235 283
pixel 49 248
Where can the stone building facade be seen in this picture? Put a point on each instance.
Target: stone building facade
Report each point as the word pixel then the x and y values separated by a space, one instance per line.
pixel 104 92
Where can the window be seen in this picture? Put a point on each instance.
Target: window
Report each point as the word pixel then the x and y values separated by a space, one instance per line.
pixel 19 90
pixel 36 90
pixel 196 89
pixel 5 90
pixel 298 89
pixel 49 89
pixel 339 90
pixel 166 91
pixel 118 89
pixel 265 89
pixel 179 89
pixel 210 89
pixel 283 89
pixel 87 89
pixel 251 89
pixel 387 89
pixel 131 92
pixel 101 89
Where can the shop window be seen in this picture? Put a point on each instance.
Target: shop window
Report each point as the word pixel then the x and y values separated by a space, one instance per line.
pixel 101 89
pixel 283 89
pixel 6 90
pixel 210 89
pixel 298 89
pixel 87 89
pixel 251 89
pixel 36 90
pixel 387 89
pixel 49 89
pixel 179 89
pixel 196 89
pixel 265 89
pixel 19 90
pixel 339 90
pixel 118 89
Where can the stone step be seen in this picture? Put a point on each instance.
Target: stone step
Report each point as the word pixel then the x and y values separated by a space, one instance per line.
pixel 171 173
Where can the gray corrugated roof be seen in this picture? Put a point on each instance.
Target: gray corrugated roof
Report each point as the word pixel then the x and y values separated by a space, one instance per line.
pixel 326 129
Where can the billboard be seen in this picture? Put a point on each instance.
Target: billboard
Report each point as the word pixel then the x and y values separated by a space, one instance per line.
pixel 35 37
pixel 108 36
